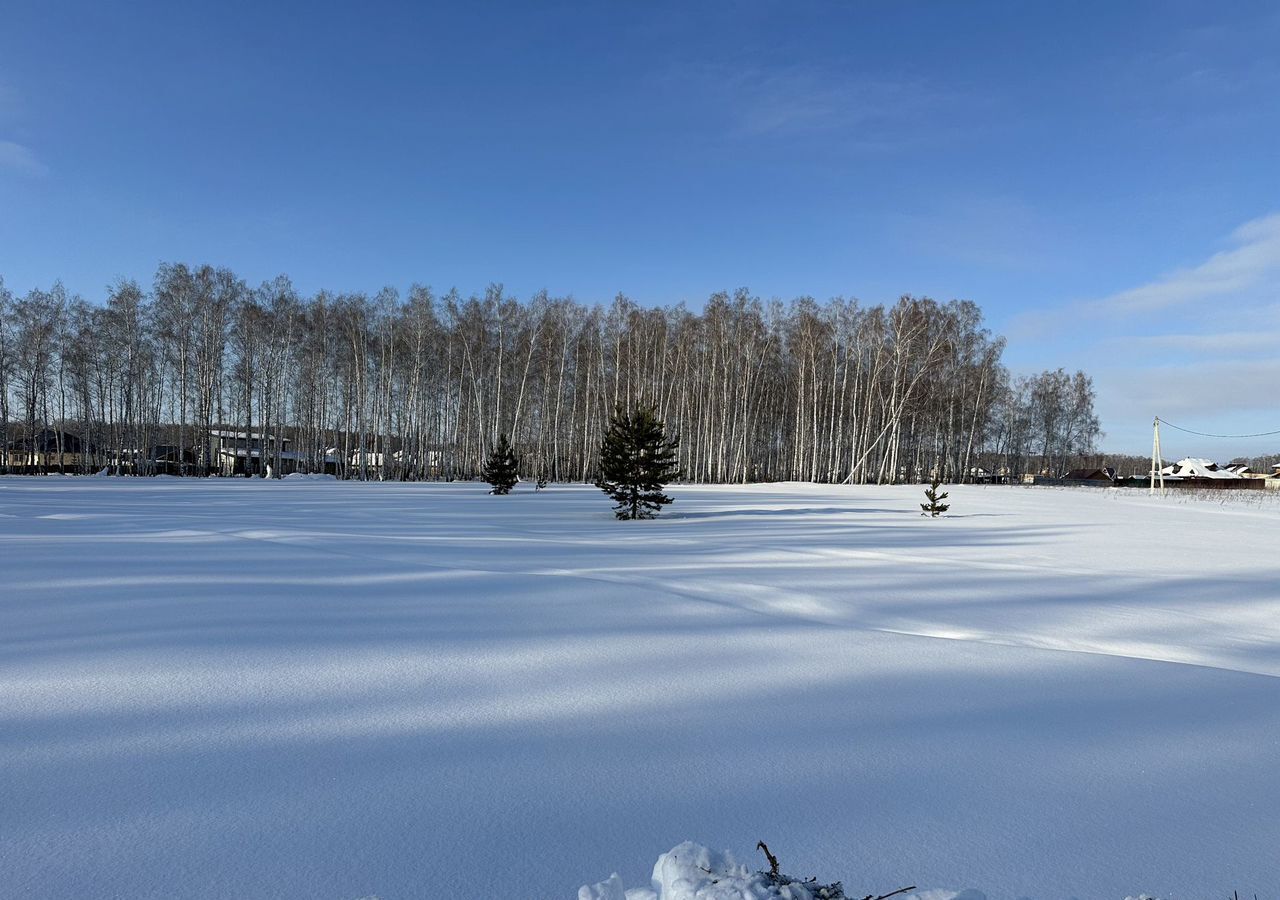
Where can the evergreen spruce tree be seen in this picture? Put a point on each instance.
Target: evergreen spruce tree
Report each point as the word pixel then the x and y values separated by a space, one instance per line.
pixel 501 467
pixel 636 460
pixel 935 507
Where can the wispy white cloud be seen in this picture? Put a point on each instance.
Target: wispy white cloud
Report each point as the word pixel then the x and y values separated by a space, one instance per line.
pixel 809 102
pixel 1199 391
pixel 1197 345
pixel 995 231
pixel 1265 340
pixel 15 157
pixel 1205 76
pixel 1223 397
pixel 1255 257
pixel 1236 280
pixel 802 101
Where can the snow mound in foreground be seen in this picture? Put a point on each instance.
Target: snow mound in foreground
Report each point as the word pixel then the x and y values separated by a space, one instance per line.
pixel 690 871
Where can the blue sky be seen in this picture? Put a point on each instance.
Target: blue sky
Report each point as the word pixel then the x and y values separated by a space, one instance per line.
pixel 1101 178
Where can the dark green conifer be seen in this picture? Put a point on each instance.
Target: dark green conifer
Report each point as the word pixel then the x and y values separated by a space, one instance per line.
pixel 636 460
pixel 935 507
pixel 500 469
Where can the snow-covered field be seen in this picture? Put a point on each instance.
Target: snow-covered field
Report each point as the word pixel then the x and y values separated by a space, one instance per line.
pixel 336 690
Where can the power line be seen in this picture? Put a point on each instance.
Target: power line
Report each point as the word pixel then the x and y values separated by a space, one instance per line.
pixel 1206 434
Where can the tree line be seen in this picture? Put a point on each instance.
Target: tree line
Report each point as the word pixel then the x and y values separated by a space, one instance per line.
pixel 421 385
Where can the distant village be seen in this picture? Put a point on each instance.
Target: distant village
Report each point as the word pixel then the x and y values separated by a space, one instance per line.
pixel 231 453
pixel 1187 472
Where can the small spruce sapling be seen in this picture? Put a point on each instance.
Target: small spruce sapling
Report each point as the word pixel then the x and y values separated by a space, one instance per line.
pixel 935 507
pixel 500 469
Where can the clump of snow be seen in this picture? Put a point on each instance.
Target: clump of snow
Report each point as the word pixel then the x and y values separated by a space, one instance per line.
pixel 299 476
pixel 690 871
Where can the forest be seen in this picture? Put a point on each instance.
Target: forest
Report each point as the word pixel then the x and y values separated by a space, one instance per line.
pixel 421 385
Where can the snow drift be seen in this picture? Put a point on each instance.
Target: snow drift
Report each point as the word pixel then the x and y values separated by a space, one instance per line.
pixel 690 871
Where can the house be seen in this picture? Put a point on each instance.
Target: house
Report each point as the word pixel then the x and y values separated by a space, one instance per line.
pixel 373 460
pixel 1093 476
pixel 1246 472
pixel 1204 469
pixel 252 453
pixel 1204 473
pixel 399 462
pixel 329 462
pixel 49 450
pixel 167 459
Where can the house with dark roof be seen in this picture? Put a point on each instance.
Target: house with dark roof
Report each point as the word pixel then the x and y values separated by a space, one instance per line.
pixel 252 453
pixel 168 459
pixel 49 450
pixel 1105 475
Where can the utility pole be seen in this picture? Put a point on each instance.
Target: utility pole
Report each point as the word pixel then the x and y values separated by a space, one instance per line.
pixel 1156 470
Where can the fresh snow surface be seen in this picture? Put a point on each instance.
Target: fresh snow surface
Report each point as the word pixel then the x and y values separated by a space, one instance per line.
pixel 304 689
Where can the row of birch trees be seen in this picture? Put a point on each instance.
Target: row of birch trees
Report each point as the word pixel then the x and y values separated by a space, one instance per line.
pixel 420 385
